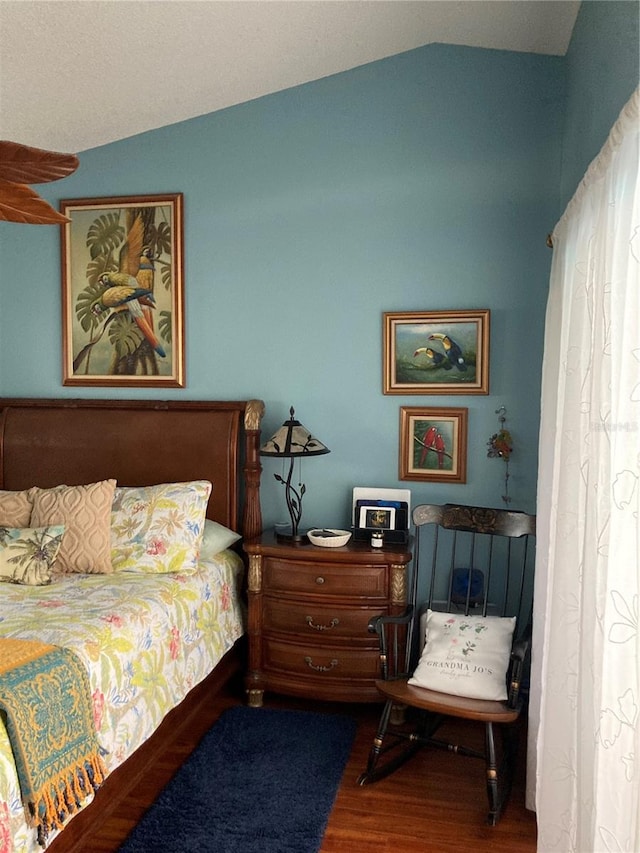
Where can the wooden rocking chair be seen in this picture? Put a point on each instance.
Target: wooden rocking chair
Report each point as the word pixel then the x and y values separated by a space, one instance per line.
pixel 478 572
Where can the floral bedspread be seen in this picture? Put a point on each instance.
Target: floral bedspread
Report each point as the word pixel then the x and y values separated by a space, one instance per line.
pixel 146 640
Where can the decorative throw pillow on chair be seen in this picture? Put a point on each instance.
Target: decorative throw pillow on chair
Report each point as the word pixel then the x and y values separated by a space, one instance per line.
pixel 465 655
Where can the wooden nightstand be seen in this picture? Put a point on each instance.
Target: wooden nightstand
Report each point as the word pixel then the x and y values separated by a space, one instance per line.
pixel 308 613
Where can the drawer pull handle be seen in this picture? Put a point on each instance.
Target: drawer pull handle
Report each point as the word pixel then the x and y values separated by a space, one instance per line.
pixel 320 580
pixel 311 665
pixel 334 622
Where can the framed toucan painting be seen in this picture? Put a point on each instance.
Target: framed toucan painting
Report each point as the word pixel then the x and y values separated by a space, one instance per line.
pixel 436 352
pixel 123 291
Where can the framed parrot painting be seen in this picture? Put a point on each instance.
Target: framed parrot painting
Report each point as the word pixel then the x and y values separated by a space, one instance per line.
pixel 436 352
pixel 433 444
pixel 123 292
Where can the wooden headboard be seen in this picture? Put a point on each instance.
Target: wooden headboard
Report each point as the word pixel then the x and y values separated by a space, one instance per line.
pixel 138 442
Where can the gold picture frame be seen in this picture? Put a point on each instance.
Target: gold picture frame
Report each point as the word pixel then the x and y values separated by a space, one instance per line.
pixel 436 352
pixel 123 291
pixel 433 444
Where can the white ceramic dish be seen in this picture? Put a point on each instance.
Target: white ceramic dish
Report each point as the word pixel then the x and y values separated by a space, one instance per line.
pixel 328 537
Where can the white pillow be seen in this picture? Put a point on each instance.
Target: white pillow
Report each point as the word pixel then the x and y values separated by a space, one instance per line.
pixel 216 538
pixel 466 655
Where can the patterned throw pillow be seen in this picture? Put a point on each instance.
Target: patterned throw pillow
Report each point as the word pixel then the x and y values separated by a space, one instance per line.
pixel 27 555
pixel 85 512
pixel 158 529
pixel 466 655
pixel 15 509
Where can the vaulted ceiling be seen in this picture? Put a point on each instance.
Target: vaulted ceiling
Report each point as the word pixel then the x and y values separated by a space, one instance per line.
pixel 78 74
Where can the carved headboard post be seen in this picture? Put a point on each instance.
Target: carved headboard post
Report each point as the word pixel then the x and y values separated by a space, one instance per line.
pixel 252 513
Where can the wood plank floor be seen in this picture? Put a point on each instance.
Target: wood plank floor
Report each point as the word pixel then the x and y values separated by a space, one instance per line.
pixel 425 806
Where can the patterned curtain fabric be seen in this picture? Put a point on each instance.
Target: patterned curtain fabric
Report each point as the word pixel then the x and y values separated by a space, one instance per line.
pixel 584 749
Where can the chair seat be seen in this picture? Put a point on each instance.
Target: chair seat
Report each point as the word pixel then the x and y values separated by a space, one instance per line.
pixel 402 693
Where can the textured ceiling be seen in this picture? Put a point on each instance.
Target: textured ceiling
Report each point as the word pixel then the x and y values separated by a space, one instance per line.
pixel 75 75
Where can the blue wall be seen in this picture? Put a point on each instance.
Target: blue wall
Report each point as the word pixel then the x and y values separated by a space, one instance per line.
pixel 602 72
pixel 426 181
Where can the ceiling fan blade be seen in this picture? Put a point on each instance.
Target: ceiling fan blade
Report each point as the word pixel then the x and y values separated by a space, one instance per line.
pixel 25 165
pixel 19 203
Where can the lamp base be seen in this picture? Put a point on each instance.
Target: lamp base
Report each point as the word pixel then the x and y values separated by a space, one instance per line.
pixel 284 535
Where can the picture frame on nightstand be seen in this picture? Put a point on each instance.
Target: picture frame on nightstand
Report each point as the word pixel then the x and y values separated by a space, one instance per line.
pixel 377 516
pixel 382 510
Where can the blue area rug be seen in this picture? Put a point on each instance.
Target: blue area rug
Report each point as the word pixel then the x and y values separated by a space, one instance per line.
pixel 260 781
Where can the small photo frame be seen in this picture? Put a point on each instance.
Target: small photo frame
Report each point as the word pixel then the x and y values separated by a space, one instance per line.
pixel 437 352
pixel 433 444
pixel 123 291
pixel 377 518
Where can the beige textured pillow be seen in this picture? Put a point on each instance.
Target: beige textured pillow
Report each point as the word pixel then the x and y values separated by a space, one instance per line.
pixel 15 509
pixel 85 512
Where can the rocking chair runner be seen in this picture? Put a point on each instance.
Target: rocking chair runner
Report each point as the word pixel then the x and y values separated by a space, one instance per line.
pixel 480 573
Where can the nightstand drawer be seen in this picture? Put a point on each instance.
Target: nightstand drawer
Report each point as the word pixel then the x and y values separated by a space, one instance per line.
pixel 325 579
pixel 320 621
pixel 321 663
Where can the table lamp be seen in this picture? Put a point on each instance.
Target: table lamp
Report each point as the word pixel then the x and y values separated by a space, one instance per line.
pixel 292 441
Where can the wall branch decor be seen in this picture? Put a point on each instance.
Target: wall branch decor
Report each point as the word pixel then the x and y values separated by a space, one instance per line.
pixel 501 447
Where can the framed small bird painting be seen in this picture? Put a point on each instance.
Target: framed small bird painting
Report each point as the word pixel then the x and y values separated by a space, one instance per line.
pixel 433 444
pixel 123 291
pixel 439 352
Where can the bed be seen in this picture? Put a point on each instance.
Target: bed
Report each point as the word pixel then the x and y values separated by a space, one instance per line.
pixel 169 621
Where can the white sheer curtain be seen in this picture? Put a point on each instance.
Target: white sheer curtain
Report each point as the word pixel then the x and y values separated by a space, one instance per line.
pixel 584 734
